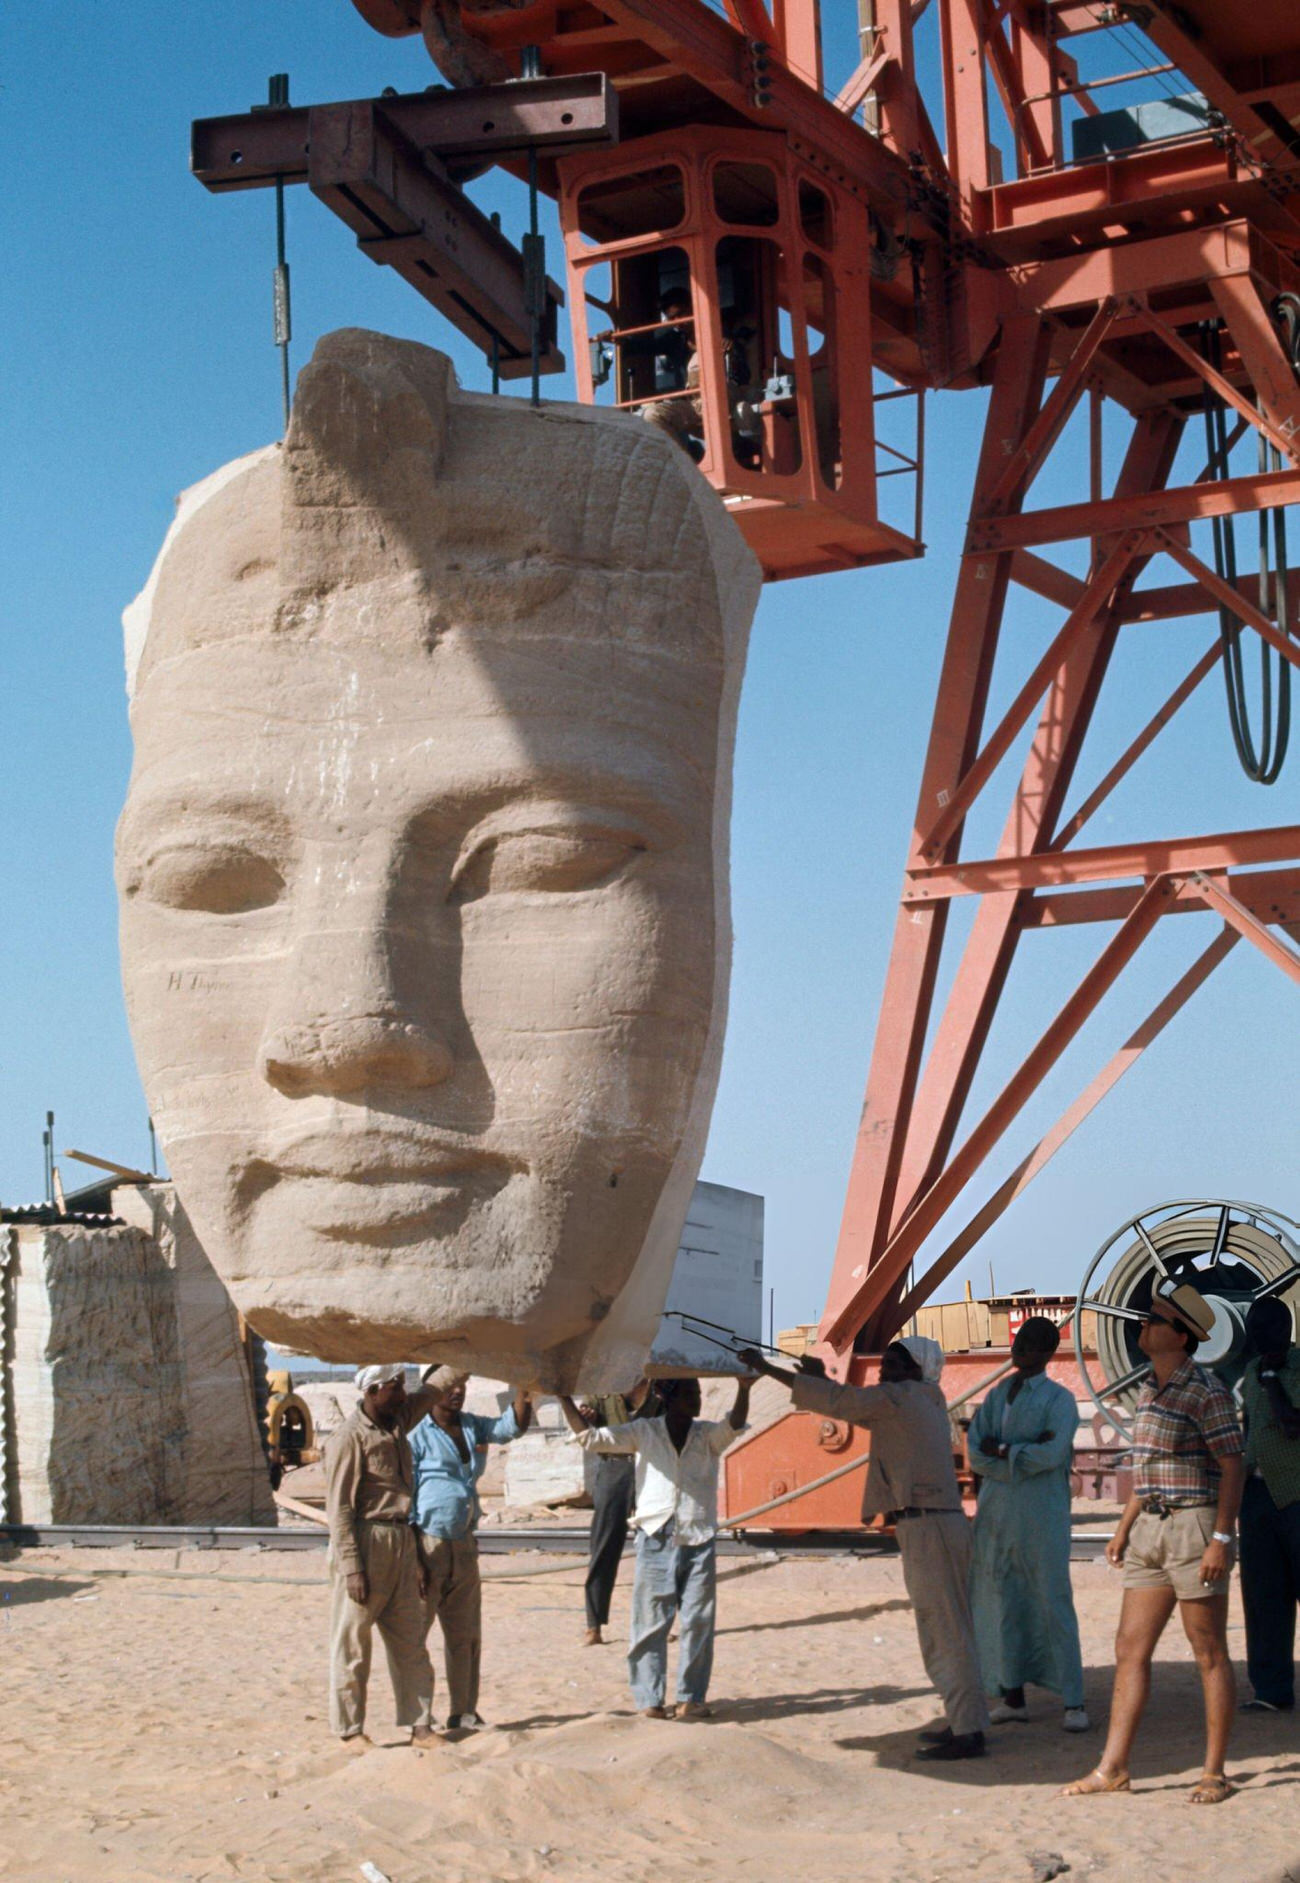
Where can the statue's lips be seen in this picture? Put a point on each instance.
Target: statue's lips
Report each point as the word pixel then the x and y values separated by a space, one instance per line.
pixel 370 1188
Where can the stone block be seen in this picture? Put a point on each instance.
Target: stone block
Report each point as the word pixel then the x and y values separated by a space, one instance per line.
pixel 424 867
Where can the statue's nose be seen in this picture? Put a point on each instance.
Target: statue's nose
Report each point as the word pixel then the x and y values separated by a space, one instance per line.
pixel 363 994
pixel 350 1054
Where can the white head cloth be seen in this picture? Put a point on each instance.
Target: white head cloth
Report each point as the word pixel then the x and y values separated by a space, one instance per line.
pixel 445 1377
pixel 378 1376
pixel 928 1354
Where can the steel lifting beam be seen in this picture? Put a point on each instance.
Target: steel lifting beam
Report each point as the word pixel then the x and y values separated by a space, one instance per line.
pixel 385 167
pixel 554 115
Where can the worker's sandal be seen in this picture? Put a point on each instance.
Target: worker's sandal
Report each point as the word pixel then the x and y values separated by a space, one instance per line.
pixel 1095 1784
pixel 1211 1788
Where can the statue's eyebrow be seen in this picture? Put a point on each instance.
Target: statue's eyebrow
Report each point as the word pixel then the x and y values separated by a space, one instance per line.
pixel 151 815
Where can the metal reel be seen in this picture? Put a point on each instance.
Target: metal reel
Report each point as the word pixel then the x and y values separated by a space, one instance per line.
pixel 1234 1253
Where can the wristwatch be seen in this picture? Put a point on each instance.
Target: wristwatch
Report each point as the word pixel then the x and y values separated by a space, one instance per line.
pixel 1222 1536
pixel 1004 1450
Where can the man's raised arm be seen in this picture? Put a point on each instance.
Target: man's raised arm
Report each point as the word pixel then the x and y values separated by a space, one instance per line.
pixel 599 1438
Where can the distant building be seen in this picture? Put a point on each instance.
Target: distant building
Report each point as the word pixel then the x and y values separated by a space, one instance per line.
pixel 717 1277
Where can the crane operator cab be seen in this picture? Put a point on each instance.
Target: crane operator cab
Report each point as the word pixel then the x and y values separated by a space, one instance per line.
pixel 721 291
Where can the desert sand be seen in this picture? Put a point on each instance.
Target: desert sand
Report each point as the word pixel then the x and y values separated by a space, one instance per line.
pixel 165 1723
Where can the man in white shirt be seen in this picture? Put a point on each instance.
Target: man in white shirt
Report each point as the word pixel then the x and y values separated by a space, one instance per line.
pixel 676 1524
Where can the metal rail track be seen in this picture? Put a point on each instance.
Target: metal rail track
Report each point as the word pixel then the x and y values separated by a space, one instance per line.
pixel 1086 1546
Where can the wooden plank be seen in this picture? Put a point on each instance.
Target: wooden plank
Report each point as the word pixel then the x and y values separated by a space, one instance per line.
pixel 124 1171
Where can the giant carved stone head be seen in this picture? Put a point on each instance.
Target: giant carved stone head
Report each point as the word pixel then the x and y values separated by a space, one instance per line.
pixel 423 866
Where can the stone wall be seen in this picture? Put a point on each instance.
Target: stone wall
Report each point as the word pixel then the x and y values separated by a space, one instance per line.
pixel 224 1475
pixel 98 1424
pixel 128 1397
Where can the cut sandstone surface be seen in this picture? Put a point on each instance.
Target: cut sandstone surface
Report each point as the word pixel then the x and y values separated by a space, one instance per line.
pixel 423 867
pixel 130 1398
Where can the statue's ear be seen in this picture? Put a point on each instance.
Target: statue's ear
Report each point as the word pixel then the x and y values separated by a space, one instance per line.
pixel 363 451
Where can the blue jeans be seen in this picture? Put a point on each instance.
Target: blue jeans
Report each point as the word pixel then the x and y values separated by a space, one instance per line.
pixel 672 1579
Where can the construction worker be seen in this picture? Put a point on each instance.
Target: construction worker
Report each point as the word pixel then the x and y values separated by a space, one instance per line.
pixel 1021 1445
pixel 912 1482
pixel 1175 1538
pixel 676 1519
pixel 612 1497
pixel 678 405
pixel 373 1562
pixel 1270 1507
pixel 449 1450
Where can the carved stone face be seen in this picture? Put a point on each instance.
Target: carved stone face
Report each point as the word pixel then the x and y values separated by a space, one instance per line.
pixel 423 868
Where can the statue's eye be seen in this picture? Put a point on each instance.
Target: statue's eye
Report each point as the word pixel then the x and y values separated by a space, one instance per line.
pixel 546 861
pixel 216 879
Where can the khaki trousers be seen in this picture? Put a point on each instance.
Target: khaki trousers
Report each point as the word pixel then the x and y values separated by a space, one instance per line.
pixel 454 1594
pixel 936 1552
pixel 388 1555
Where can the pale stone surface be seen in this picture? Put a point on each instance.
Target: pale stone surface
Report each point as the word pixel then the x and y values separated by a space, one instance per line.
pixel 95 1385
pixel 224 1477
pixel 545 1466
pixel 424 867
pixel 129 1394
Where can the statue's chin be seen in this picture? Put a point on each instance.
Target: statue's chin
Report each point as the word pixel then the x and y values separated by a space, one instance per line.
pixel 494 1349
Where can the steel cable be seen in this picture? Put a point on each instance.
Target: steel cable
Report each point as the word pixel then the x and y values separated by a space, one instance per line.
pixel 1262 762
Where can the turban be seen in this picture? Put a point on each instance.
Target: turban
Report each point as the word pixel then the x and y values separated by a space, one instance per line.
pixel 443 1378
pixel 378 1376
pixel 928 1354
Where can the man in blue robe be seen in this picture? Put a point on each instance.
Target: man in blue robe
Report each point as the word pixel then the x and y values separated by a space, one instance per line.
pixel 449 1450
pixel 1021 1443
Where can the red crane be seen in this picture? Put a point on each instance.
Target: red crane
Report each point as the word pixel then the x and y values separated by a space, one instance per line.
pixel 825 254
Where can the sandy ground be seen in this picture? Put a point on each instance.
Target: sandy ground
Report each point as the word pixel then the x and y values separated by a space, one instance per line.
pixel 168 1725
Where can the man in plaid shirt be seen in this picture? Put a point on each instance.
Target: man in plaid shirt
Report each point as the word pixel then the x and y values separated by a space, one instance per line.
pixel 1175 1538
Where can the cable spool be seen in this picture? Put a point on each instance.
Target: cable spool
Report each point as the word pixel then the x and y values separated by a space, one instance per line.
pixel 1233 1253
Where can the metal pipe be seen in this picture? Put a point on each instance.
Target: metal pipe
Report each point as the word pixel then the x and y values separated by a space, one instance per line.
pixel 1094 85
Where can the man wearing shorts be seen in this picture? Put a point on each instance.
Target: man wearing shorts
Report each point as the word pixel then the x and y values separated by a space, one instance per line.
pixel 1175 1538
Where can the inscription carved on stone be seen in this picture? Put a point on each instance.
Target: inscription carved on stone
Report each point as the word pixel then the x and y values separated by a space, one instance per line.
pixel 423 867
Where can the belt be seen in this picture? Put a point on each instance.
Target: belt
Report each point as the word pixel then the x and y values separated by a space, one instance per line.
pixel 1162 1508
pixel 403 1520
pixel 919 1510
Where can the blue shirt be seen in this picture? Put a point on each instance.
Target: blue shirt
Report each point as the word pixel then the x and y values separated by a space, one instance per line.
pixel 445 1501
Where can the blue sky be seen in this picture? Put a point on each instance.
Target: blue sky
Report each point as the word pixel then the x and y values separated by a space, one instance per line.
pixel 137 341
